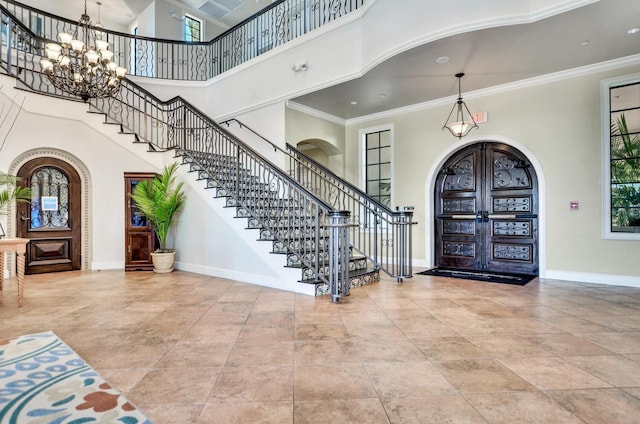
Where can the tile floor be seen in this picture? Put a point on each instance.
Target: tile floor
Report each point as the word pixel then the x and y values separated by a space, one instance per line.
pixel 188 348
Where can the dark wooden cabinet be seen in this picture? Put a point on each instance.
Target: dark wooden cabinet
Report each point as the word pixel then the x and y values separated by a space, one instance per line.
pixel 139 236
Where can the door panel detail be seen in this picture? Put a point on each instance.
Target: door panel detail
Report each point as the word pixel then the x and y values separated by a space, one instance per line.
pixel 457 227
pixel 459 249
pixel 512 204
pixel 512 228
pixel 486 211
pixel 512 252
pixel 459 205
pixel 49 251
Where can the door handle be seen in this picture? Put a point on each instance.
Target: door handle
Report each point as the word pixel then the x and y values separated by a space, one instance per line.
pixel 463 217
pixel 507 216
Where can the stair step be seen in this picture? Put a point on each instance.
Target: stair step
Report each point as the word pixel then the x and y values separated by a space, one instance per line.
pixel 356 279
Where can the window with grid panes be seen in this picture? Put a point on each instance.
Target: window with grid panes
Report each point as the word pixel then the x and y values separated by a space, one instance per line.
pixel 377 169
pixel 192 29
pixel 622 144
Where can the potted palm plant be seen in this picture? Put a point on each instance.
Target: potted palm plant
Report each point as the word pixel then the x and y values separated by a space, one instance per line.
pixel 11 191
pixel 160 200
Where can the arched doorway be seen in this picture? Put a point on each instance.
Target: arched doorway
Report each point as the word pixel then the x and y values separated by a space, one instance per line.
pixel 53 220
pixel 486 210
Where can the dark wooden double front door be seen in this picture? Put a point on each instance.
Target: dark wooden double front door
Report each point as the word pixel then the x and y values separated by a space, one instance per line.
pixel 487 211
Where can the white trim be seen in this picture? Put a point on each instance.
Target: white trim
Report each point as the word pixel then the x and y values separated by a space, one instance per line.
pixel 588 277
pixel 315 112
pixel 605 85
pixel 246 277
pixel 432 175
pixel 100 266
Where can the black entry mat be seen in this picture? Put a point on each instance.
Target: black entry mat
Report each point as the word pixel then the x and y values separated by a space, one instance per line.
pixel 489 277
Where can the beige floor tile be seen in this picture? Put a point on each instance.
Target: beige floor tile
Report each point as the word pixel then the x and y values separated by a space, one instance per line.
pixel 396 380
pixel 610 406
pixel 368 411
pixel 633 391
pixel 508 345
pixel 449 348
pixel 175 385
pixel 184 355
pixel 620 323
pixel 122 356
pixel 551 373
pixel 268 352
pixel 217 333
pixel 521 408
pixel 318 382
pixel 331 351
pixel 124 379
pixel 151 336
pixel 481 375
pixel 254 384
pixel 575 325
pixel 566 345
pixel 320 331
pixel 423 327
pixel 432 409
pixel 621 343
pixel 614 369
pixel 248 412
pixel 387 350
pixel 173 413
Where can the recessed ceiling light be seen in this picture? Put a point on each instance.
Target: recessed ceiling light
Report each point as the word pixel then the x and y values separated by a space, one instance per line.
pixel 633 31
pixel 382 95
pixel 442 60
pixel 354 103
pixel 585 43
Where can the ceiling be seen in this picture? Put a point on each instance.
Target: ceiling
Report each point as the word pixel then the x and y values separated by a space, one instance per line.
pixel 590 34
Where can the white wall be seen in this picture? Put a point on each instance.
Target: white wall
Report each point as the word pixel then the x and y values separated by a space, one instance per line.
pixel 210 240
pixel 558 124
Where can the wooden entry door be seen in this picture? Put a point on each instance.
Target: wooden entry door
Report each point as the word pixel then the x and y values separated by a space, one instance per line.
pixel 487 211
pixel 52 221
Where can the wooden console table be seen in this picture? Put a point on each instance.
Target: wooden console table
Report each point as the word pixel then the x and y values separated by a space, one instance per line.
pixel 18 245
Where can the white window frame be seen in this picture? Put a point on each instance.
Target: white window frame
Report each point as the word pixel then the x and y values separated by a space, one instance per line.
pixel 605 86
pixel 194 18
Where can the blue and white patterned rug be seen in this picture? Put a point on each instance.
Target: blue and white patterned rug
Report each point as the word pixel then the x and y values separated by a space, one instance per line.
pixel 43 381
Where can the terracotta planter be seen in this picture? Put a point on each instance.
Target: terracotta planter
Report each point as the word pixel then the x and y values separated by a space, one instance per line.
pixel 162 262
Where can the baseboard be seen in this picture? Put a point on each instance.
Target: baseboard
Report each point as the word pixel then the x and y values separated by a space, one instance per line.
pixel 98 266
pixel 587 277
pixel 276 282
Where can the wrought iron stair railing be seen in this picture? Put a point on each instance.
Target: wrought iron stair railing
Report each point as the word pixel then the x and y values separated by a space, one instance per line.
pixel 280 22
pixel 382 235
pixel 175 124
pixel 290 216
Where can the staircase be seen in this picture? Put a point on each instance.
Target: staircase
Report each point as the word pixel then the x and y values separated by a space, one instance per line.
pixel 288 210
pixel 283 221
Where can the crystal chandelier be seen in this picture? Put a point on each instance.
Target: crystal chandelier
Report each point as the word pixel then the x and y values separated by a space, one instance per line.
pixel 460 126
pixel 81 64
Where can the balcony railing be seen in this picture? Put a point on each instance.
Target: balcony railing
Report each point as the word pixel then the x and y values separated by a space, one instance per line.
pixel 279 23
